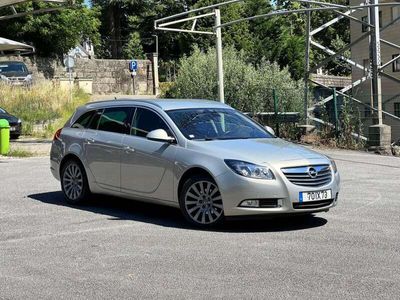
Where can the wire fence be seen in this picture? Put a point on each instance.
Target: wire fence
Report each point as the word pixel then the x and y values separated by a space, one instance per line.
pixel 336 114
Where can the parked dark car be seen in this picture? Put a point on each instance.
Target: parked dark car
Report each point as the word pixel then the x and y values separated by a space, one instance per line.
pixel 15 73
pixel 15 123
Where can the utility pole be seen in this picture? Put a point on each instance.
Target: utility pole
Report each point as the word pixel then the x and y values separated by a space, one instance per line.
pixel 375 54
pixel 379 135
pixel 307 65
pixel 220 66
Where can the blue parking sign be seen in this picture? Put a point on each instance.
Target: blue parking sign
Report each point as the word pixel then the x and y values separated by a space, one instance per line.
pixel 133 65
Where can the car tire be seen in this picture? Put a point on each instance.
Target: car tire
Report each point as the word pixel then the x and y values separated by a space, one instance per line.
pixel 201 202
pixel 74 183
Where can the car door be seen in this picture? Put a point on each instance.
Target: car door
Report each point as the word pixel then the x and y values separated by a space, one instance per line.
pixel 103 145
pixel 147 166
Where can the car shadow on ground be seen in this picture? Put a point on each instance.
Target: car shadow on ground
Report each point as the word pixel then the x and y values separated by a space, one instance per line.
pixel 123 209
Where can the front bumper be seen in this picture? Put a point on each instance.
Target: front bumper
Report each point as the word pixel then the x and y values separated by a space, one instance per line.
pixel 235 188
pixel 15 129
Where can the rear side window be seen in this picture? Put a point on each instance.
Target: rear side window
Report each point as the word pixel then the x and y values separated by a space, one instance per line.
pixel 145 121
pixel 115 119
pixel 94 122
pixel 84 120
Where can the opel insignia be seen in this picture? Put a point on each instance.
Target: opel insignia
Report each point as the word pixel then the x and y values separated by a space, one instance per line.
pixel 204 157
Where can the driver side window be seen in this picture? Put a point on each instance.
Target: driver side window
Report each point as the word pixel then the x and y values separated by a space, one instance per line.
pixel 144 121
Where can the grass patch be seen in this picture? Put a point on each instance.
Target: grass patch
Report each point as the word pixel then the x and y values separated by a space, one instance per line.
pixel 17 152
pixel 44 104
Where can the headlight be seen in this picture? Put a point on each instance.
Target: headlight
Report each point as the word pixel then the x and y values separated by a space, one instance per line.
pixel 334 167
pixel 250 170
pixel 28 78
pixel 2 77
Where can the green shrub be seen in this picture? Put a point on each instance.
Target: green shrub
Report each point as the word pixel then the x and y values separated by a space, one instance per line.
pixel 165 89
pixel 247 87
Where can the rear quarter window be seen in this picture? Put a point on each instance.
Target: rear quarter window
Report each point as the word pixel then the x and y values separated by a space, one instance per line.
pixel 84 120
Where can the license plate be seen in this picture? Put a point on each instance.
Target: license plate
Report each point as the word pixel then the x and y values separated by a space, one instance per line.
pixel 12 128
pixel 315 196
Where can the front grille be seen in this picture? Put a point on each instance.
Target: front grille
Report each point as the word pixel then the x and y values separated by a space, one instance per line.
pixel 313 204
pixel 312 176
pixel 16 78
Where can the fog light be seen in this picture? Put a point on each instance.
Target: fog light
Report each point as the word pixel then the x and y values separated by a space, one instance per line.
pixel 250 203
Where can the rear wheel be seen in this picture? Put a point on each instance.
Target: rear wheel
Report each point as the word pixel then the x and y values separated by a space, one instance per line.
pixel 201 202
pixel 74 182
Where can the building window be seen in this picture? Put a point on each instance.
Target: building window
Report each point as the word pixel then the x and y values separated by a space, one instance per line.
pixel 396 63
pixel 367 112
pixel 395 13
pixel 366 66
pixel 397 109
pixel 364 27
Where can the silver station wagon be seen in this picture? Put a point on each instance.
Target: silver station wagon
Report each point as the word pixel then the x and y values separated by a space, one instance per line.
pixel 202 156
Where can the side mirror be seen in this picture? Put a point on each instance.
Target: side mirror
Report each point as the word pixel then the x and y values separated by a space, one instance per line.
pixel 160 135
pixel 270 130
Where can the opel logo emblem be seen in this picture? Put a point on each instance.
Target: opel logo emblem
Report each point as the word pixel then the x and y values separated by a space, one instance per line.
pixel 312 172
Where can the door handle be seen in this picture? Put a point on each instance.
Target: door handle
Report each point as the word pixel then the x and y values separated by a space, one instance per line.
pixel 90 140
pixel 129 149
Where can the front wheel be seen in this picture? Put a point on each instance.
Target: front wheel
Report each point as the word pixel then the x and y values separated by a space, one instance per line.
pixel 201 202
pixel 74 182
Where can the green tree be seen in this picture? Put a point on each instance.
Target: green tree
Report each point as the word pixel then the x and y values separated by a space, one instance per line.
pixel 247 87
pixel 133 48
pixel 54 34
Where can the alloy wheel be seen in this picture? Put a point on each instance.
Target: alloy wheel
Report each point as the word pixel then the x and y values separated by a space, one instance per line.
pixel 203 202
pixel 73 181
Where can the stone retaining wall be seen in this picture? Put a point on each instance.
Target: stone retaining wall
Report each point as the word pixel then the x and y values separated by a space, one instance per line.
pixel 110 76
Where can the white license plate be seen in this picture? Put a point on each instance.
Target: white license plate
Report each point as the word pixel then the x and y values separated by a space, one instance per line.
pixel 315 196
pixel 12 128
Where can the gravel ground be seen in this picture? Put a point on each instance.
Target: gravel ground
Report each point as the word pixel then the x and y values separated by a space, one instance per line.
pixel 115 248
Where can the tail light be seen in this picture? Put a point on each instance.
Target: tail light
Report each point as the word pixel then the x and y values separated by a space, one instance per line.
pixel 57 135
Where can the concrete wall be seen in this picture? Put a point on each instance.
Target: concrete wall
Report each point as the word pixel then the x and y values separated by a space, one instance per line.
pixel 109 76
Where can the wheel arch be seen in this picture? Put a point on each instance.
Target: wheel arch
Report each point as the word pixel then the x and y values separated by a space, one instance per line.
pixel 70 156
pixel 190 173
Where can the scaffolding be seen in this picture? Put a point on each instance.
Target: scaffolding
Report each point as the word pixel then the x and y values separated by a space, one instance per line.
pixel 374 73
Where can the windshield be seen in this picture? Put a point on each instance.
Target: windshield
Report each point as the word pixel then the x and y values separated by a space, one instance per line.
pixel 12 67
pixel 216 124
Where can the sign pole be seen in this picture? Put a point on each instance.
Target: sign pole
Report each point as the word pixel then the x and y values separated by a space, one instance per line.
pixel 133 66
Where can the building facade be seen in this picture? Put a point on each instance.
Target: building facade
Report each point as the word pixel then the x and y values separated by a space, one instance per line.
pixel 360 53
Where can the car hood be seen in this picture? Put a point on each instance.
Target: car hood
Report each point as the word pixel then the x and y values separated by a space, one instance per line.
pixel 11 119
pixel 256 150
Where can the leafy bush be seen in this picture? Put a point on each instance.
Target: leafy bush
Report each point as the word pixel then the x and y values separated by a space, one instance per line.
pixel 247 87
pixel 43 104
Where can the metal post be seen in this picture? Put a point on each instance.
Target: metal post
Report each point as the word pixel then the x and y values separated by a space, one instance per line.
pixel 70 84
pixel 156 41
pixel 335 109
pixel 307 64
pixel 275 96
pixel 376 60
pixel 133 85
pixel 220 65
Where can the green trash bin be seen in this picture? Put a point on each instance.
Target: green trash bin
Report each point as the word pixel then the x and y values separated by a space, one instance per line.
pixel 4 136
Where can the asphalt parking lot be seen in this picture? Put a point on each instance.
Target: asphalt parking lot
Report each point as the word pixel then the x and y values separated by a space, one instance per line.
pixel 114 248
